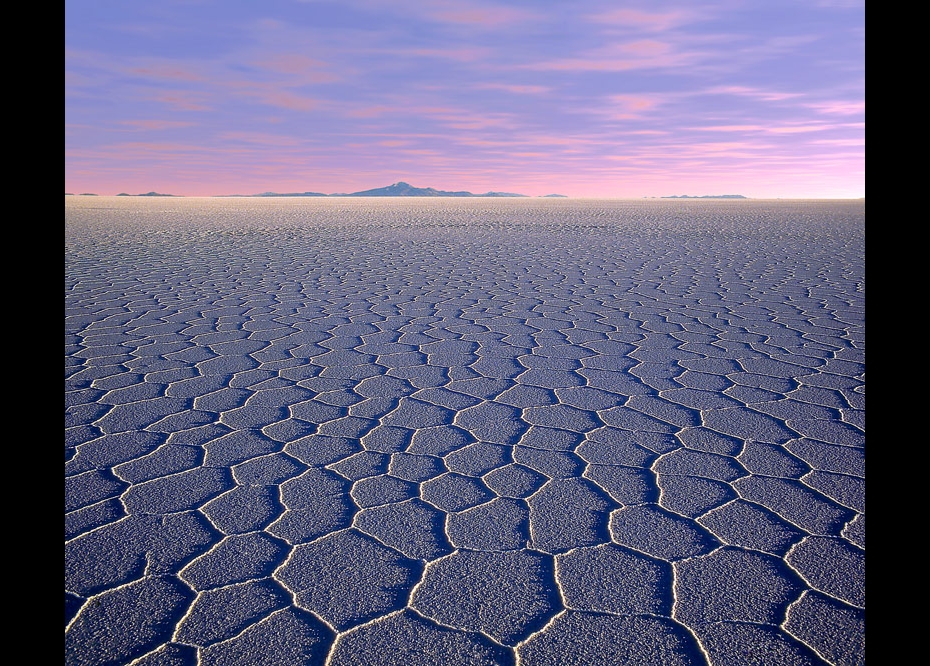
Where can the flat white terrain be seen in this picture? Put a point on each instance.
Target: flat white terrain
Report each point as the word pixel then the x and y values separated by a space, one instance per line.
pixel 464 431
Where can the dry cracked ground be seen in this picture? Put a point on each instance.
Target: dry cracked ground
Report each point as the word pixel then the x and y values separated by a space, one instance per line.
pixel 426 432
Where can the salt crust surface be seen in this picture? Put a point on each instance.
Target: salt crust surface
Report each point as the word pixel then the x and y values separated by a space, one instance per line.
pixel 409 431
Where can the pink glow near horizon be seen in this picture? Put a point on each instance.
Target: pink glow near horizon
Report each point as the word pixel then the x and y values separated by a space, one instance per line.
pixel 654 99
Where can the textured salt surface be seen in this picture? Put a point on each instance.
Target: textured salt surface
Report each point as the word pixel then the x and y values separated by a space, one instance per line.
pixel 473 432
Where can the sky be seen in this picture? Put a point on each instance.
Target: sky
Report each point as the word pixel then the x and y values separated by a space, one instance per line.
pixel 592 99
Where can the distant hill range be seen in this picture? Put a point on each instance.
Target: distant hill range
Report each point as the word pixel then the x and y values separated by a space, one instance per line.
pixel 707 196
pixel 400 189
pixel 147 194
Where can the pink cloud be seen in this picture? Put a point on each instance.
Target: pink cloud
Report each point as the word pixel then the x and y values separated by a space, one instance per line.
pixel 259 138
pixel 557 140
pixel 129 150
pixel 274 94
pixel 302 69
pixel 840 142
pixel 369 111
pixel 730 128
pixel 598 65
pixel 155 124
pixel 487 143
pixel 288 100
pixel 633 106
pixel 183 100
pixel 471 122
pixel 731 148
pixel 458 54
pixel 840 108
pixel 291 63
pixel 463 119
pixel 645 48
pixel 742 91
pixel 639 54
pixel 787 128
pixel 170 72
pixel 640 20
pixel 517 89
pixel 462 13
pixel 633 103
pixel 457 12
pixel 800 128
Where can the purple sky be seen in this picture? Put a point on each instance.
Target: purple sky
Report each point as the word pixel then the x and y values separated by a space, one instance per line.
pixel 763 98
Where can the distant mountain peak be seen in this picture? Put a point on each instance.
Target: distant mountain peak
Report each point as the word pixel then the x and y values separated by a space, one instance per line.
pixel 402 189
pixel 399 189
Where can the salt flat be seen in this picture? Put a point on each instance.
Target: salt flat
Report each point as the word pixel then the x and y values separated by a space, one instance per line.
pixel 423 432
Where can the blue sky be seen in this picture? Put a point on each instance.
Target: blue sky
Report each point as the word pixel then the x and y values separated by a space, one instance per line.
pixel 588 99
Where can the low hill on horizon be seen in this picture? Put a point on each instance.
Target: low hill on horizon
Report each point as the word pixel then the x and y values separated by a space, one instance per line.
pixel 147 194
pixel 398 189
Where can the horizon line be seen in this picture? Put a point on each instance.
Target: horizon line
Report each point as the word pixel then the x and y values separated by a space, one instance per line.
pixel 275 195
